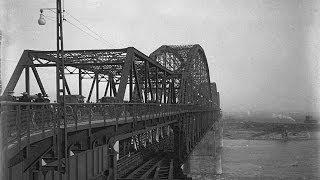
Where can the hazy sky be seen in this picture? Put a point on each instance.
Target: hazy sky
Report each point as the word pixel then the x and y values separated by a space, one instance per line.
pixel 263 54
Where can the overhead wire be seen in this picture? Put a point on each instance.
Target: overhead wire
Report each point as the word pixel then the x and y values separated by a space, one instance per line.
pixel 85 32
pixel 98 38
pixel 49 17
pixel 87 28
pixel 52 11
pixel 7 60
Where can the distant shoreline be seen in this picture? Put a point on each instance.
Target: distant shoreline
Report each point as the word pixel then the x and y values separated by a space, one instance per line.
pixel 249 130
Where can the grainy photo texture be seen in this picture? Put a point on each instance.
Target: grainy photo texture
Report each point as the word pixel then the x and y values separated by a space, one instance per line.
pixel 171 89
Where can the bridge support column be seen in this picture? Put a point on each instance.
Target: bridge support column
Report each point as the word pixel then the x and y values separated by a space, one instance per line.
pixel 180 141
pixel 111 161
pixel 218 135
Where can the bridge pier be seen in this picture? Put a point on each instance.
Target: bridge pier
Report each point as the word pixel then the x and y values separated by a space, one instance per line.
pixel 208 148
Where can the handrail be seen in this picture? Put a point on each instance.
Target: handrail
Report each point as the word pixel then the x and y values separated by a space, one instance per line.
pixel 36 103
pixel 25 103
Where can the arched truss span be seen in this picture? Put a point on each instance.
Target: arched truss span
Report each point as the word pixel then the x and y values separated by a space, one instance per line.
pixel 190 61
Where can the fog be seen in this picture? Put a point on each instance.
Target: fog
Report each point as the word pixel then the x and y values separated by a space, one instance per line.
pixel 263 54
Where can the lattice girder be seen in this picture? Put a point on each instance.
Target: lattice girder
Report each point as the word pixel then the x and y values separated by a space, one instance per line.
pixel 148 80
pixel 191 62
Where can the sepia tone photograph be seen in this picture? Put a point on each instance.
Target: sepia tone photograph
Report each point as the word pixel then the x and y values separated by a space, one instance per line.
pixel 171 89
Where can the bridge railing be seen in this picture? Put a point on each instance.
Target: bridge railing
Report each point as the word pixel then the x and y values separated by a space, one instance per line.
pixel 115 112
pixel 21 121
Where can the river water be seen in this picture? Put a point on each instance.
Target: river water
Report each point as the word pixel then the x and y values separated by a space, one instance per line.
pixel 257 159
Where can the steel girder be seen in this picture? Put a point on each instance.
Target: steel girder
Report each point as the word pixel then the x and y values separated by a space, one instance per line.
pixel 147 79
pixel 172 74
pixel 190 61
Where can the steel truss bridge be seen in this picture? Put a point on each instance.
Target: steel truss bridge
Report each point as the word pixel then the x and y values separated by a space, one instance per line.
pixel 160 106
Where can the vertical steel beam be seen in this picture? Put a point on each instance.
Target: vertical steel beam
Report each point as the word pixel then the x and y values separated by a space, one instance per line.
pixel 61 91
pixel 97 86
pixel 182 94
pixel 27 80
pixel 174 95
pixel 106 90
pixel 170 91
pixel 36 75
pixel 111 82
pixel 80 81
pixel 149 80
pixel 60 53
pixel 124 74
pixel 145 81
pixel 91 89
pixel 164 87
pixel 137 83
pixel 157 84
pixel 173 92
pixel 161 90
pixel 114 89
pixel 131 84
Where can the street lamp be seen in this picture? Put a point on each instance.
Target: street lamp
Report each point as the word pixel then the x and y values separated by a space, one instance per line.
pixel 41 20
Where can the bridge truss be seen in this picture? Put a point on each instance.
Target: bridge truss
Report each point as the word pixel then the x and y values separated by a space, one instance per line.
pixel 159 108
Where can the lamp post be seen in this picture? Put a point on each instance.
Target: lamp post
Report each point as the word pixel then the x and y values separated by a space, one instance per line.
pixel 60 90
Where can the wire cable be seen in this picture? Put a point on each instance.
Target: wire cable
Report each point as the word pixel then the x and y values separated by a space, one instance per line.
pixel 85 32
pixel 50 18
pixel 98 38
pixel 52 11
pixel 9 60
pixel 88 28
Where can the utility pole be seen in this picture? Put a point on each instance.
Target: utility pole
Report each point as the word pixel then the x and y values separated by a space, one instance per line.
pixel 0 63
pixel 60 79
